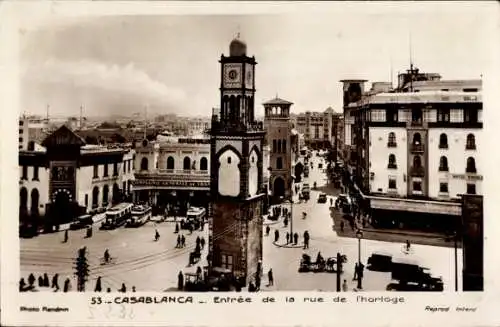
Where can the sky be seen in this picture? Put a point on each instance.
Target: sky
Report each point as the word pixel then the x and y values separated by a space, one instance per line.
pixel 119 65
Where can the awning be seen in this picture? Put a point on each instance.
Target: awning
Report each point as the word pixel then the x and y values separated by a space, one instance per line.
pixel 434 207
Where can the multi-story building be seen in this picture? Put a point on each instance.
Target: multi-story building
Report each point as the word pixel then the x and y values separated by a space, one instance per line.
pixel 32 129
pixel 65 177
pixel 278 136
pixel 415 150
pixel 337 134
pixel 317 127
pixel 173 173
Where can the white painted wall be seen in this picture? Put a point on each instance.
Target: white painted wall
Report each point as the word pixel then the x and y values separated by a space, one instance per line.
pixel 229 174
pixel 379 159
pixel 42 185
pixel 457 160
pixel 253 174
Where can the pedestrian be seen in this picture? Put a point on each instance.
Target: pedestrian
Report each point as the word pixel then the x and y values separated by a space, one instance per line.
pixel 295 238
pixel 276 236
pixel 270 277
pixel 22 285
pixel 108 290
pixel 31 280
pixel 40 281
pixel 199 272
pixel 198 241
pixel 67 285
pixel 344 286
pixel 66 236
pixel 202 242
pixel 285 222
pixel 98 286
pixel 197 248
pixel 157 235
pixel 55 283
pixel 251 287
pixel 133 289
pixel 257 282
pixel 180 281
pixel 268 229
pixel 287 237
pixel 306 240
pixel 123 289
pixel 178 241
pixel 342 226
pixel 183 241
pixel 355 277
pixel 331 202
pixel 46 282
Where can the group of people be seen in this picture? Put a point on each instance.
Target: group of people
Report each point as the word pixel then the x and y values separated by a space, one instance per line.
pixel 290 238
pixel 181 241
pixel 255 286
pixel 43 281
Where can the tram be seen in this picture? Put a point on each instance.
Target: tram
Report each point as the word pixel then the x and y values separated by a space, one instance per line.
pixel 141 214
pixel 195 217
pixel 117 216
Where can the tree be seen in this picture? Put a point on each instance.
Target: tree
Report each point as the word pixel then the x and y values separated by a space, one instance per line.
pixel 82 269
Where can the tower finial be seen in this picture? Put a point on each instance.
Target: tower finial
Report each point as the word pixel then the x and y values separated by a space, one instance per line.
pixel 276 95
pixel 238 33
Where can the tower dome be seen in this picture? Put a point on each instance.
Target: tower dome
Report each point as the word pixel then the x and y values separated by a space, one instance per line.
pixel 237 48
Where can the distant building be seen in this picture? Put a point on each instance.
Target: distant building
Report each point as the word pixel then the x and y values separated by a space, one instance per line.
pixel 317 127
pixel 64 178
pixel 414 149
pixel 32 129
pixel 278 136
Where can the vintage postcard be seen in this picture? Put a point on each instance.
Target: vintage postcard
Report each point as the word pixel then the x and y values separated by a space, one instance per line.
pixel 175 163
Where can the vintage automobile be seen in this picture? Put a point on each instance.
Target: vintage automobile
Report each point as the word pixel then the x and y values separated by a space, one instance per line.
pixel 380 261
pixel 322 198
pixel 409 275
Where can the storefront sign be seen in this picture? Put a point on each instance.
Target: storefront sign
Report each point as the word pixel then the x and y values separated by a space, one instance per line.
pixel 164 183
pixel 420 206
pixel 467 177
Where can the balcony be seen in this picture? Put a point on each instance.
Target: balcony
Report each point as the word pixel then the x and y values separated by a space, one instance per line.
pixel 417 171
pixel 235 126
pixel 417 148
pixel 417 122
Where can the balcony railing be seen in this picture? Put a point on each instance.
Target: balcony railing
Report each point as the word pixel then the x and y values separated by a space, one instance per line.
pixel 236 126
pixel 417 148
pixel 417 171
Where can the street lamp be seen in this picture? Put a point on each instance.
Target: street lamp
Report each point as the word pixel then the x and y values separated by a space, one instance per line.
pixel 291 214
pixel 359 235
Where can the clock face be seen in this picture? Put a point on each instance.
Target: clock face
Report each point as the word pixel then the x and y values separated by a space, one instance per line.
pixel 232 75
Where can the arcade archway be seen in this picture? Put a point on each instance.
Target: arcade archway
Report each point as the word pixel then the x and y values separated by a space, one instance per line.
pixel 279 187
pixel 116 194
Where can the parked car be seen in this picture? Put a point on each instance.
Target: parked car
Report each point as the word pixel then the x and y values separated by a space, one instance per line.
pixel 81 222
pixel 380 261
pixel 322 198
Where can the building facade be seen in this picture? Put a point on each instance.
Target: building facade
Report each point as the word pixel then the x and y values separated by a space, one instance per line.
pixel 317 128
pixel 236 185
pixel 415 149
pixel 278 136
pixel 172 173
pixel 65 177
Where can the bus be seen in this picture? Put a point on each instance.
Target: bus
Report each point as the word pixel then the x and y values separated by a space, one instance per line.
pixel 195 217
pixel 141 214
pixel 117 216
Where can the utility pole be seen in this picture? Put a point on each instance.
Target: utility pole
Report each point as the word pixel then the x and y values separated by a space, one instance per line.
pixel 339 271
pixel 82 269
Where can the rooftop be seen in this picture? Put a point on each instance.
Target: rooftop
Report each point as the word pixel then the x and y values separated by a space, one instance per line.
pixel 277 101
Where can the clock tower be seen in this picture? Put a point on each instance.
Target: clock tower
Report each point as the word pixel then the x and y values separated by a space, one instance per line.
pixel 236 185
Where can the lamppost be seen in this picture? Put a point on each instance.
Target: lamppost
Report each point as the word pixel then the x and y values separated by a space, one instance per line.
pixel 359 235
pixel 291 214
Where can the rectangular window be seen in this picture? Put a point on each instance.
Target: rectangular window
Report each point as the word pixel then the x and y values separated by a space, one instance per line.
pixel 417 186
pixel 470 90
pixel 274 146
pixel 105 170
pixel 20 140
pixel 471 188
pixel 96 171
pixel 124 167
pixel 470 115
pixel 35 173
pixel 284 146
pixel 25 173
pixel 443 115
pixel 227 261
pixel 115 169
pixel 392 183
pixel 443 187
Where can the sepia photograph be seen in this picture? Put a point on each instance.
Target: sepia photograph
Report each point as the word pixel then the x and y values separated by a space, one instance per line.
pixel 251 153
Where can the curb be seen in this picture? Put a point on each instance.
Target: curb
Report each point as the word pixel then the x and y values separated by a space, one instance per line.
pixel 288 246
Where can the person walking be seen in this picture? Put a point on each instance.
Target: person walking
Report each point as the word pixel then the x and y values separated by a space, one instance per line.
pixel 46 280
pixel 22 285
pixel 344 286
pixel 180 281
pixel 276 236
pixel 123 289
pixel 108 290
pixel 40 281
pixel 55 282
pixel 295 238
pixel 133 289
pixel 270 277
pixel 183 241
pixel 66 236
pixel 287 237
pixel 157 235
pixel 98 286
pixel 198 241
pixel 176 228
pixel 202 241
pixel 31 280
pixel 306 240
pixel 268 229
pixel 178 241
pixel 67 285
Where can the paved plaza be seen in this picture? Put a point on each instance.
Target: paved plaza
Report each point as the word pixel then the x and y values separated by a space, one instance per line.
pixel 153 266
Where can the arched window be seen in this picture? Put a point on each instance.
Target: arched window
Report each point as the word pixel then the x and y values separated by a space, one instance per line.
pixel 443 141
pixel 203 164
pixel 144 164
pixel 95 197
pixel 471 142
pixel 417 162
pixel 392 161
pixel 279 163
pixel 417 139
pixel 391 142
pixel 170 163
pixel 23 195
pixel 443 164
pixel 471 165
pixel 105 195
pixel 35 197
pixel 187 163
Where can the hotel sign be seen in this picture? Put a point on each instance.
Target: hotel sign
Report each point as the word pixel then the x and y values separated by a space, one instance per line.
pixel 467 177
